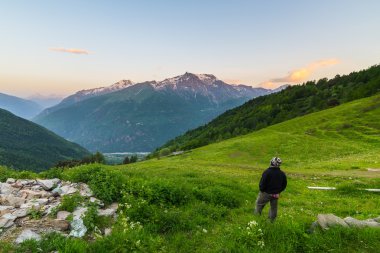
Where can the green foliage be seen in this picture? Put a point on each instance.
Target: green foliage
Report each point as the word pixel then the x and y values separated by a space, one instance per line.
pixel 290 103
pixel 91 218
pixel 36 213
pixel 95 158
pixel 28 146
pixel 70 202
pixel 131 159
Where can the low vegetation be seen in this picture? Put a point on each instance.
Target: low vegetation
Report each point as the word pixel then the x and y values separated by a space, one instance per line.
pixel 202 201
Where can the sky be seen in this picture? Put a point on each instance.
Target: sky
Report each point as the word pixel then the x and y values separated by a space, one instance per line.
pixel 59 47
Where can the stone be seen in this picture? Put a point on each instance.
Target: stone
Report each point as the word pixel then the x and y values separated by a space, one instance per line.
pixel 41 202
pixel 107 231
pixel 11 200
pixel 61 225
pixel 6 188
pixel 6 223
pixel 352 222
pixel 10 181
pixel 49 208
pixel 78 229
pixel 29 194
pixel 62 215
pixel 6 209
pixel 377 219
pixel 48 184
pixel 27 234
pixel 25 182
pixel 106 212
pixel 326 221
pixel 67 189
pixel 85 191
pixel 30 205
pixel 56 192
pixel 96 201
pixel 22 212
pixel 79 212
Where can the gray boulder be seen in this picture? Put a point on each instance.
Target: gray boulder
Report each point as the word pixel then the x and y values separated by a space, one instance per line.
pixel 78 229
pixel 352 222
pixel 27 234
pixel 325 221
pixel 48 184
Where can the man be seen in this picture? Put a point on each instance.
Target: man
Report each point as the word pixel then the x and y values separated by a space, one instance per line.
pixel 272 183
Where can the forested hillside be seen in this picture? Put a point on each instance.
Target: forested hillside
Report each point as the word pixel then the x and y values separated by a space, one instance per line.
pixel 28 146
pixel 292 102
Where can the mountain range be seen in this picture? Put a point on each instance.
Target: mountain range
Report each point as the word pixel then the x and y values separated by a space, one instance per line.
pixel 292 102
pixel 28 146
pixel 21 107
pixel 138 117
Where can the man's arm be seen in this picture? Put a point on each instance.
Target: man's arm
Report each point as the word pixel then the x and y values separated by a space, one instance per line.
pixel 263 181
pixel 284 182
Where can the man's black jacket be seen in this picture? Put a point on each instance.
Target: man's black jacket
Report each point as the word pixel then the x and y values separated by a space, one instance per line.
pixel 273 181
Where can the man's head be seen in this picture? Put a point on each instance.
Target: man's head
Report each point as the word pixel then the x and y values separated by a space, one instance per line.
pixel 275 162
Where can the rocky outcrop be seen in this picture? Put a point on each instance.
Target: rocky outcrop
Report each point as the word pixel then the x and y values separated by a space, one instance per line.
pixel 26 208
pixel 326 221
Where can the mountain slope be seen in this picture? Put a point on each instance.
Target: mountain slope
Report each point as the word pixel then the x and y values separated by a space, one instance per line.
pixel 21 107
pixel 290 103
pixel 143 116
pixel 26 145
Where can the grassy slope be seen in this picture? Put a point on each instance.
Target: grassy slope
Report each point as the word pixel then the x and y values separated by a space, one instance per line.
pixel 214 188
pixel 329 148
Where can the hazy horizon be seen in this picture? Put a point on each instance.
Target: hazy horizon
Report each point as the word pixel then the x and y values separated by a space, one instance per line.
pixel 62 47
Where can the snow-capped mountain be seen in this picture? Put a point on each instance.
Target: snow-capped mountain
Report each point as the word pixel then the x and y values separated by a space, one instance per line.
pixel 129 116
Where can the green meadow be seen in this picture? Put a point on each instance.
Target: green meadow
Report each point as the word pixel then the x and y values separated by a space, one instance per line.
pixel 203 200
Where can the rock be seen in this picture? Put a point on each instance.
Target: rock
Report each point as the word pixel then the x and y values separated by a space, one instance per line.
pixel 79 212
pixel 6 223
pixel 11 200
pixel 61 225
pixel 6 188
pixel 329 220
pixel 10 181
pixel 107 231
pixel 352 222
pixel 5 209
pixel 22 212
pixel 377 219
pixel 68 189
pixel 30 205
pixel 85 191
pixel 41 202
pixel 62 215
pixel 48 184
pixel 78 229
pixel 29 194
pixel 106 212
pixel 25 182
pixel 27 234
pixel 96 201
pixel 49 208
pixel 114 206
pixel 56 192
pixel 36 188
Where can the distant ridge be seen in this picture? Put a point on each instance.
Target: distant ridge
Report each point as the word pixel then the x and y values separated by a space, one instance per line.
pixel 21 107
pixel 139 117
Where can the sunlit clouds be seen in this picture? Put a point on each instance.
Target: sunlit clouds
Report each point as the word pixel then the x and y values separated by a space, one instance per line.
pixel 301 74
pixel 69 50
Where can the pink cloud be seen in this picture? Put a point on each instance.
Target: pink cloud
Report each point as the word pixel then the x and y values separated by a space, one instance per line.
pixel 69 50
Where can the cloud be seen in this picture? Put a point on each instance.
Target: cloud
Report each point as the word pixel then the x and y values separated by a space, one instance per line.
pixel 301 74
pixel 69 50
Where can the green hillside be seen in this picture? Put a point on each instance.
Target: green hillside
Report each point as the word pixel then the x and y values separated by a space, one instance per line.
pixel 28 146
pixel 202 201
pixel 292 102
